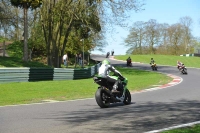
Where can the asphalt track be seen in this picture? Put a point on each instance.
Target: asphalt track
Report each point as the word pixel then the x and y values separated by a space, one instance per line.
pixel 150 110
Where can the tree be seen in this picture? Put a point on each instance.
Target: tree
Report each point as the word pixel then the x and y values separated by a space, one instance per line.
pixel 64 24
pixel 26 4
pixel 6 16
pixel 175 32
pixel 135 39
pixel 152 34
pixel 187 36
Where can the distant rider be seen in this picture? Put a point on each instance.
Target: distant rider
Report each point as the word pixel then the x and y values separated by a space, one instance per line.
pixel 104 70
pixel 179 64
pixel 112 52
pixel 108 53
pixel 152 61
pixel 128 60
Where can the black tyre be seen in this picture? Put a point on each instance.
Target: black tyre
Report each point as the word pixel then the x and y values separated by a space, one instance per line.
pixel 101 98
pixel 127 99
pixel 185 71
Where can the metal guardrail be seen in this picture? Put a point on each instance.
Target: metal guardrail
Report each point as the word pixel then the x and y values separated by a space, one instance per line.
pixel 45 74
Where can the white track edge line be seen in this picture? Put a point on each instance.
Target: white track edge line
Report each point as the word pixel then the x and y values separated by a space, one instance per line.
pixel 174 127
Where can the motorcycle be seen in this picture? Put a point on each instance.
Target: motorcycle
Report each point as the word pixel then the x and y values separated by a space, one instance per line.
pixel 107 55
pixel 104 97
pixel 183 69
pixel 128 63
pixel 154 66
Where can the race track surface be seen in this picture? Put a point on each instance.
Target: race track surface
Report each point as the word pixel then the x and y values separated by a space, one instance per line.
pixel 151 110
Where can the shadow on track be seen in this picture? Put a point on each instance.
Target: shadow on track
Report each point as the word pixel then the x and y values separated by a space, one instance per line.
pixel 133 118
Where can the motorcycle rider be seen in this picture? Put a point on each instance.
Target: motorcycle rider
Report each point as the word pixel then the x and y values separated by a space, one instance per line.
pixel 179 64
pixel 104 70
pixel 128 61
pixel 107 55
pixel 152 61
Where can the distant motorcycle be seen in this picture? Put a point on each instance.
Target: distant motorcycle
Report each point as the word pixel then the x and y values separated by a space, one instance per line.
pixel 129 63
pixel 112 53
pixel 183 69
pixel 154 66
pixel 107 55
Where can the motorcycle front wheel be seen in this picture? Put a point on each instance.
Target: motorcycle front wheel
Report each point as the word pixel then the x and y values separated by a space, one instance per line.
pixel 102 98
pixel 185 71
pixel 127 99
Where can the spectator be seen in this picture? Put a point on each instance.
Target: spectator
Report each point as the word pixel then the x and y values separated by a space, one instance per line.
pixel 65 60
pixel 76 58
pixel 80 60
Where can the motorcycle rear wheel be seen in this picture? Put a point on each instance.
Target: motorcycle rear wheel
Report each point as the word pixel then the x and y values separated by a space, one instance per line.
pixel 101 100
pixel 127 99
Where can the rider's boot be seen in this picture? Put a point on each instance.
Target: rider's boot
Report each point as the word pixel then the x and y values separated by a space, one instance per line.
pixel 114 90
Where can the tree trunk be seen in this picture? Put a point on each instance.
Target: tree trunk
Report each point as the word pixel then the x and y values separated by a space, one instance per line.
pixel 4 48
pixel 25 34
pixel 56 58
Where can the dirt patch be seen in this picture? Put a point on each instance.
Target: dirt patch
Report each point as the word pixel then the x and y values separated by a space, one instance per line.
pixel 6 43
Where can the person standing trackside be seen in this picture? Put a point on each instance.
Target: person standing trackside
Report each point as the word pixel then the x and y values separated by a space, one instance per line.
pixel 65 59
pixel 76 59
pixel 80 59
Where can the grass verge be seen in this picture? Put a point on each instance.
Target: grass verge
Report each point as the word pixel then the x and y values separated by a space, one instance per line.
pixel 35 92
pixel 170 60
pixel 191 129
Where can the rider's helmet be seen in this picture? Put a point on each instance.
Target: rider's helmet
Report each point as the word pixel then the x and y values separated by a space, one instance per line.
pixel 106 62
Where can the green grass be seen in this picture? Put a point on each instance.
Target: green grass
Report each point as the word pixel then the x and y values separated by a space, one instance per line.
pixel 191 129
pixel 34 92
pixel 163 59
pixel 17 62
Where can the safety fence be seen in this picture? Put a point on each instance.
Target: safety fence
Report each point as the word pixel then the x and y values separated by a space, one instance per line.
pixel 187 55
pixel 45 74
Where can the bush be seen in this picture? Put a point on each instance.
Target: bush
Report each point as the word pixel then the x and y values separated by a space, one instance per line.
pixel 16 49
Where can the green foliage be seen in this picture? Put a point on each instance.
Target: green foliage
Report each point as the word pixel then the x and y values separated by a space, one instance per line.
pixel 29 3
pixel 16 49
pixel 3 39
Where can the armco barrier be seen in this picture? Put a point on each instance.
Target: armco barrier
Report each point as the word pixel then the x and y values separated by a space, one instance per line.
pixel 63 74
pixel 14 74
pixel 40 74
pixel 45 74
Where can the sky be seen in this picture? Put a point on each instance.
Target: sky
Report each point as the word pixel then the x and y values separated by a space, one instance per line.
pixel 163 11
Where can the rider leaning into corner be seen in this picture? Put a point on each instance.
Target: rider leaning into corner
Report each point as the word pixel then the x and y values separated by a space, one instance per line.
pixel 104 71
pixel 152 61
pixel 179 64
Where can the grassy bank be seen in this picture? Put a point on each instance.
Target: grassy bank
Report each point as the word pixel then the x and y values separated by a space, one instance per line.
pixel 34 92
pixel 163 59
pixel 18 62
pixel 191 129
